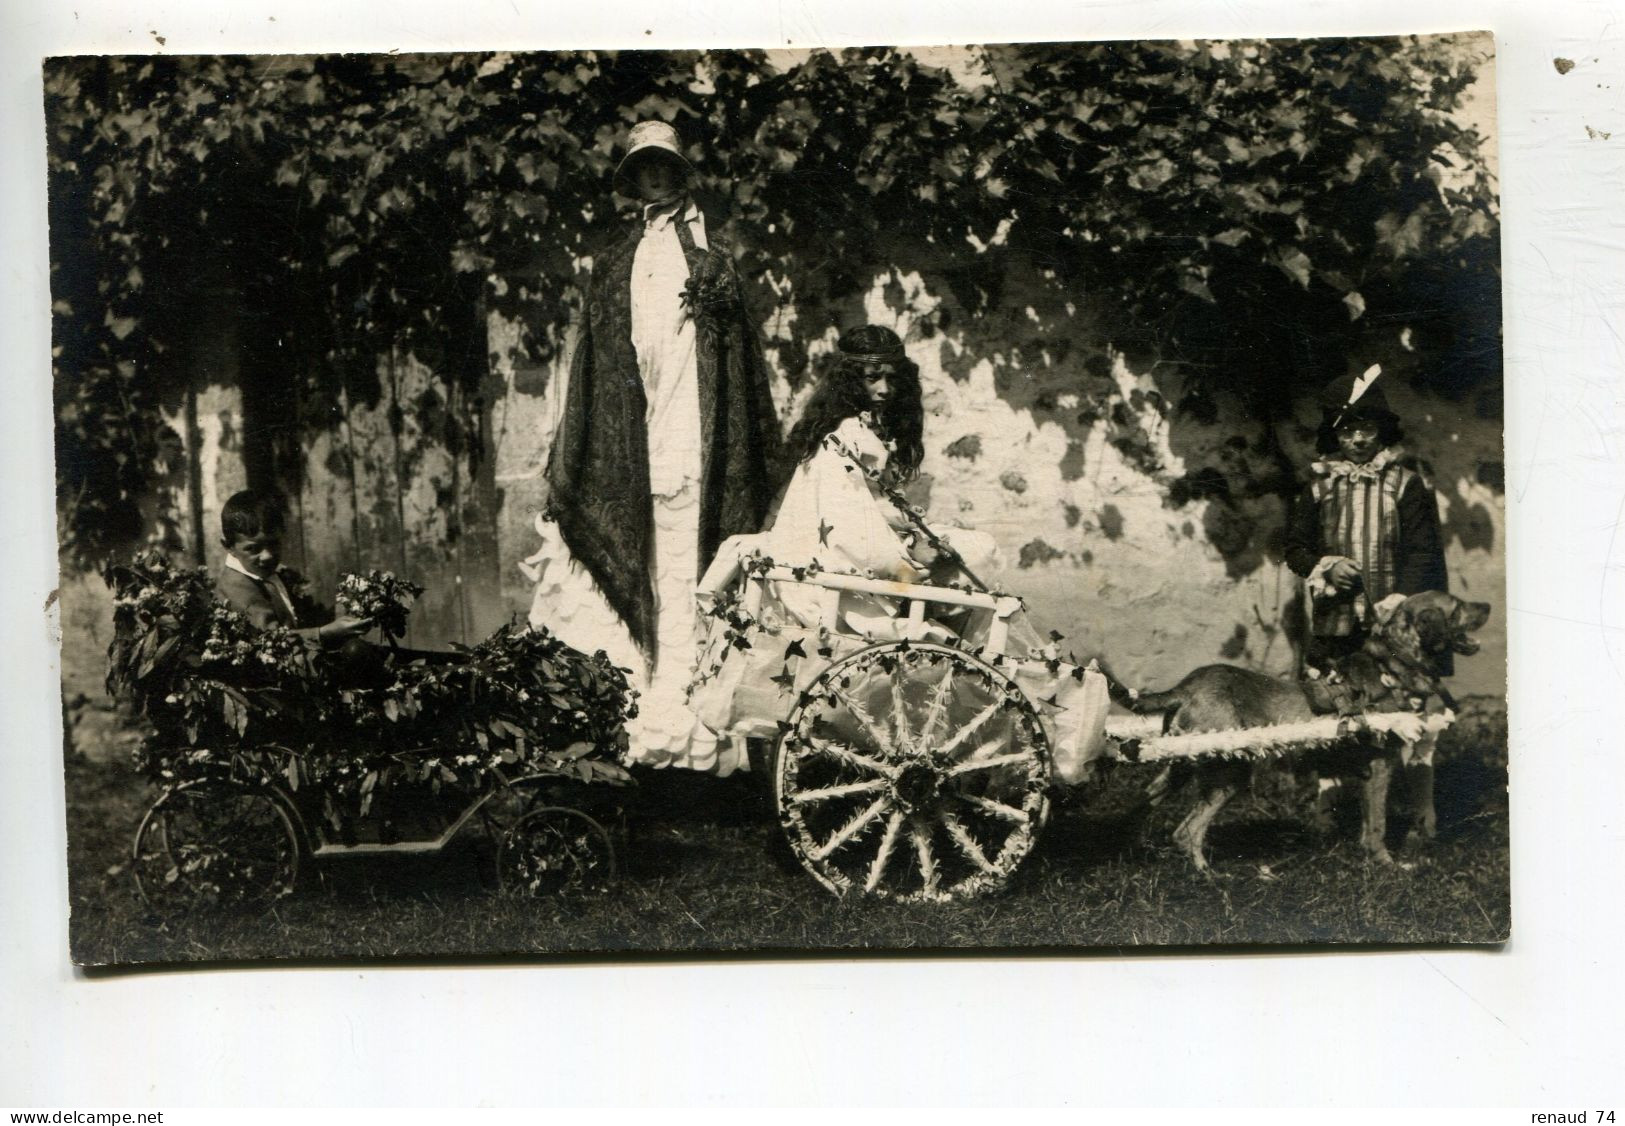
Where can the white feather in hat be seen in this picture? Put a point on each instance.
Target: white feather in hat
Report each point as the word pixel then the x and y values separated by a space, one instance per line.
pixel 1361 385
pixel 1367 378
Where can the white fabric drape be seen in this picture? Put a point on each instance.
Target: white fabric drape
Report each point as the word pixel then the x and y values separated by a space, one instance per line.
pixel 664 338
pixel 664 732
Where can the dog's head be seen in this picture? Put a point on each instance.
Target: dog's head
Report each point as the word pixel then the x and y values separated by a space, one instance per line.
pixel 1432 624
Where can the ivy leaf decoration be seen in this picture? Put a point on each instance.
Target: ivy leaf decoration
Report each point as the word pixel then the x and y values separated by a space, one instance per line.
pixel 1204 191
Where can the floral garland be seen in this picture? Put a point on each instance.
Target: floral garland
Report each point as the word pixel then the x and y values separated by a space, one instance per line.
pixel 1140 739
pixel 157 606
pixel 736 630
pixel 912 512
pixel 264 705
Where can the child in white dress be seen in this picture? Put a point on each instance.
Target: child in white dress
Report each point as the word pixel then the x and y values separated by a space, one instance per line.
pixel 858 441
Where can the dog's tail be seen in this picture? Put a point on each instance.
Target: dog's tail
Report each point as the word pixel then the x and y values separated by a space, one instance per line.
pixel 1141 703
pixel 1152 703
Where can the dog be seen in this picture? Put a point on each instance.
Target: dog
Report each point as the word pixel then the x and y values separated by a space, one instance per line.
pixel 1429 629
pixel 1395 670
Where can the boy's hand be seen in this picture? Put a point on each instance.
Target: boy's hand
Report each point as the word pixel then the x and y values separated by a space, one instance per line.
pixel 344 627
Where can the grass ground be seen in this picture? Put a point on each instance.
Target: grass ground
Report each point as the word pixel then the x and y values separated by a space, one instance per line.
pixel 705 871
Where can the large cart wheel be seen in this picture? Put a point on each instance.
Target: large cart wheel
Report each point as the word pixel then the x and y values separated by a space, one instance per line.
pixel 555 850
pixel 215 843
pixel 912 771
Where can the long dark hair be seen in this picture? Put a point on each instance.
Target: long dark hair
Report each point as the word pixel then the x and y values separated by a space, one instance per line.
pixel 844 394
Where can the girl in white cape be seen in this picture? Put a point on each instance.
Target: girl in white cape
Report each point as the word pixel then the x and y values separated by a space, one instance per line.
pixel 858 441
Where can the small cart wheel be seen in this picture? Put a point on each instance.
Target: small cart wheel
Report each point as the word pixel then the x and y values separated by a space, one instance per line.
pixel 215 843
pixel 912 771
pixel 555 850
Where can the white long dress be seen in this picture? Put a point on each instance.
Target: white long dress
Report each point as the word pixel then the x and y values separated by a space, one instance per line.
pixel 835 515
pixel 832 517
pixel 664 732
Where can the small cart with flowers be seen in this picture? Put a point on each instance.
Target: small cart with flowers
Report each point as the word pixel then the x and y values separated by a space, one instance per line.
pixel 271 755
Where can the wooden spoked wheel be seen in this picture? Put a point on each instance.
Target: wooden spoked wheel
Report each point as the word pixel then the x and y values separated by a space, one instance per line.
pixel 215 843
pixel 555 850
pixel 912 771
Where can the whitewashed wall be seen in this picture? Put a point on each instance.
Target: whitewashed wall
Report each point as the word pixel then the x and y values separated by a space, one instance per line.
pixel 1089 539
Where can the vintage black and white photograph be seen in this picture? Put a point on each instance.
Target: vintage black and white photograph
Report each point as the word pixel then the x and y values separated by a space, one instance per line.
pixel 853 499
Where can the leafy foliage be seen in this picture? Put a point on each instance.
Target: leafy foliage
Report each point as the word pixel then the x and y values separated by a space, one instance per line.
pixel 1250 210
pixel 225 697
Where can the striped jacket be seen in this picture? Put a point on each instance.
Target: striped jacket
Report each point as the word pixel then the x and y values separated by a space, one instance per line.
pixel 1384 517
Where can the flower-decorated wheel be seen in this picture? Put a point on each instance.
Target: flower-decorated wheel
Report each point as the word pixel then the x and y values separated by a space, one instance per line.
pixel 555 850
pixel 215 843
pixel 912 771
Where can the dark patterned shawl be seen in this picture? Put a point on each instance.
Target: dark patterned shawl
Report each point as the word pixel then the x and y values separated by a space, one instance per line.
pixel 598 470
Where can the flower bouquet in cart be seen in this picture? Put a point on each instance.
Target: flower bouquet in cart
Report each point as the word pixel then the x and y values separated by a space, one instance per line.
pixel 380 597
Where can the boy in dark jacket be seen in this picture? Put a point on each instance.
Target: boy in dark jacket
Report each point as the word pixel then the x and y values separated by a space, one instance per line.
pixel 251 528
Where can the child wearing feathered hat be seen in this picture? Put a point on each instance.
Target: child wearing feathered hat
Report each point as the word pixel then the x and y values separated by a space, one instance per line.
pixel 1367 526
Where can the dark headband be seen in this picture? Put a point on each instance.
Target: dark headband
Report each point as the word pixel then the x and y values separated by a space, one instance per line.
pixel 875 357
